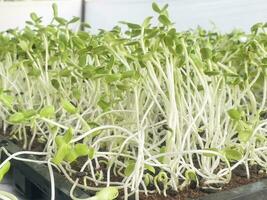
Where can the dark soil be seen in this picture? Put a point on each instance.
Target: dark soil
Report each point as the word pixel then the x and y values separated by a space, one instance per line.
pixel 239 178
pixel 36 146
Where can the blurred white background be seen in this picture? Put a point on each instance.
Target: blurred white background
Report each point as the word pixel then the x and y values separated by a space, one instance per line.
pixel 225 14
pixel 14 13
pixel 104 14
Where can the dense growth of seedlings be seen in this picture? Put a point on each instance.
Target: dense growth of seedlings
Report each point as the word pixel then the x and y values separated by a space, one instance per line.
pixel 147 109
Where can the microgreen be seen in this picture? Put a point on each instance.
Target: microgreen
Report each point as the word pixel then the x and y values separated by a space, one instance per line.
pixel 151 104
pixel 4 170
pixel 108 193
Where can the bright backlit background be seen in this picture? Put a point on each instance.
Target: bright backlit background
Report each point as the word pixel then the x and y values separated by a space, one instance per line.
pixel 104 14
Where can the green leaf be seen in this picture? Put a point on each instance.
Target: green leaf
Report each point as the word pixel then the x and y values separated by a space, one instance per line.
pixel 61 21
pixel 62 152
pixel 47 112
pixel 81 149
pixel 131 25
pixel 162 150
pixel 155 7
pixel 164 9
pixel 55 83
pixel 179 48
pixel 150 168
pixel 91 153
pixel 147 22
pixel 206 53
pixel 59 141
pixel 260 138
pixel 72 156
pixel 4 170
pixel 34 17
pixel 190 175
pixel 68 107
pixel 29 22
pixel 232 154
pixel 24 45
pixel 85 25
pixel 84 35
pixel 244 135
pixel 200 87
pixel 234 114
pixel 29 113
pixel 78 42
pixel 244 131
pixel 130 74
pixel 55 9
pixel 168 41
pixel 162 177
pixel 64 72
pixel 7 100
pixel 99 50
pixel 146 57
pixel 112 77
pixel 73 20
pixel 16 118
pixel 34 72
pixel 197 61
pixel 211 72
pixel 264 61
pixel 76 93
pixel 108 193
pixel 68 135
pixel 148 179
pixel 256 26
pixel 104 105
pixel 82 59
pixel 129 168
pixel 164 20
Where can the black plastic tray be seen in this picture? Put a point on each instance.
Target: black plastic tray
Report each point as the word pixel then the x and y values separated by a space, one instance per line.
pixel 252 191
pixel 33 180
